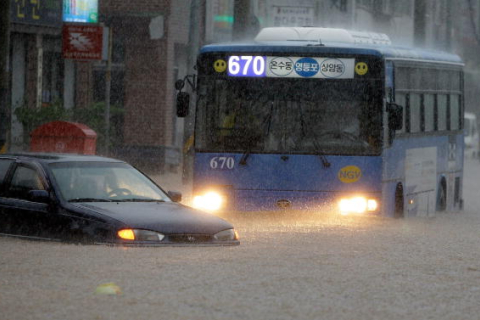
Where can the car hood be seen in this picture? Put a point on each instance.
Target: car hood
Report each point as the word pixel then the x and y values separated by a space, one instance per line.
pixel 164 217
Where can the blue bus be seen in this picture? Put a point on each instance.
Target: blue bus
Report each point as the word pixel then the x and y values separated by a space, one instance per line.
pixel 327 120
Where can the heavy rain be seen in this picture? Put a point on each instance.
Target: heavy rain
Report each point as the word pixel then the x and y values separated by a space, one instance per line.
pixel 317 159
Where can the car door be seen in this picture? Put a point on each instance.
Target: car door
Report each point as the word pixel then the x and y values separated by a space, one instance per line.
pixel 25 216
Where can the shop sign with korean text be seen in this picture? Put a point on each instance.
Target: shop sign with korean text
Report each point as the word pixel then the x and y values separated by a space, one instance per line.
pixel 84 42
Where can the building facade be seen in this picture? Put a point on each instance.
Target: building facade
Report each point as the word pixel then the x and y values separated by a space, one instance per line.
pixel 150 44
pixel 153 45
pixel 392 17
pixel 149 51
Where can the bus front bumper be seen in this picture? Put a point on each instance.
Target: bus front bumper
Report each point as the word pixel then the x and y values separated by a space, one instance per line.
pixel 272 200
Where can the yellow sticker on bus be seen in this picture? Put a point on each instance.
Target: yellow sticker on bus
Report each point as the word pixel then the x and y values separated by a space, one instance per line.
pixel 361 68
pixel 220 65
pixel 349 174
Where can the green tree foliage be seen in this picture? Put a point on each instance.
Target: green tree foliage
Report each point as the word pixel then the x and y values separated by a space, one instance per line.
pixel 93 117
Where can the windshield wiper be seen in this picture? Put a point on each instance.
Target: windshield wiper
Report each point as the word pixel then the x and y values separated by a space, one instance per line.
pixel 246 154
pixel 89 200
pixel 266 123
pixel 320 153
pixel 138 200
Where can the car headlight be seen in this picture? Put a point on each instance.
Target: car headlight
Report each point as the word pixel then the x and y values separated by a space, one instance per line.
pixel 210 201
pixel 140 235
pixel 226 235
pixel 357 205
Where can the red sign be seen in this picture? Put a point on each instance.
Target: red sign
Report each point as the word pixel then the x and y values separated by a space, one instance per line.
pixel 82 42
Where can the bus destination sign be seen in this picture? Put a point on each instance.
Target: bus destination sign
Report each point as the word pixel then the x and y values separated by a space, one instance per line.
pixel 290 67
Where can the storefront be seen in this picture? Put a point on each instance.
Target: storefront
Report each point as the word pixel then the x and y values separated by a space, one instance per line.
pixel 36 65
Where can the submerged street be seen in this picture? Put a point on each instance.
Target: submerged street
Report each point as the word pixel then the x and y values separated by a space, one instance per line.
pixel 358 106
pixel 285 268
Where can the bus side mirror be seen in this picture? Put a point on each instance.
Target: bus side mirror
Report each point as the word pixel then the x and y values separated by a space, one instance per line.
pixel 395 116
pixel 183 102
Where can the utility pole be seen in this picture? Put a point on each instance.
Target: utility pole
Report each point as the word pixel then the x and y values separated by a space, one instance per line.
pixel 449 26
pixel 108 86
pixel 245 23
pixel 4 74
pixel 195 41
pixel 241 13
pixel 419 23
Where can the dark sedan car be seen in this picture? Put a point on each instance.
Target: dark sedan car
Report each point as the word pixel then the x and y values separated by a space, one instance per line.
pixel 97 200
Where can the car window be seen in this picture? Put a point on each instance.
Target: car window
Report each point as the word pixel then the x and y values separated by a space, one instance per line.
pixel 4 165
pixel 103 181
pixel 24 179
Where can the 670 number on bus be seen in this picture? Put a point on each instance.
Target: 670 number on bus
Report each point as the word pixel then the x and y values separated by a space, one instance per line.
pixel 246 66
pixel 222 163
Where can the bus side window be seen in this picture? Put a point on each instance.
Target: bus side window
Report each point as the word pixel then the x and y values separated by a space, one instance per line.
pixel 454 112
pixel 442 105
pixel 429 106
pixel 400 99
pixel 415 112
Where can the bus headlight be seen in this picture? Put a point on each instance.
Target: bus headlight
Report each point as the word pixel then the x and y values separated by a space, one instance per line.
pixel 210 201
pixel 357 205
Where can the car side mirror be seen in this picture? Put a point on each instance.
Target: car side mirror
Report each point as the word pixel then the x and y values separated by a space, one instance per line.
pixel 41 196
pixel 183 102
pixel 175 196
pixel 395 116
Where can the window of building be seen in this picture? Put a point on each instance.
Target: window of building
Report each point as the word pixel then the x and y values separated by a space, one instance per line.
pixel 401 7
pixel 53 71
pixel 117 87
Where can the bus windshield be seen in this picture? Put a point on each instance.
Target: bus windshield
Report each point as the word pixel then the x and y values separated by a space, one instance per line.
pixel 303 116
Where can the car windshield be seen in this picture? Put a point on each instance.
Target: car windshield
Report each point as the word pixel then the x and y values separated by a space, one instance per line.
pixel 104 181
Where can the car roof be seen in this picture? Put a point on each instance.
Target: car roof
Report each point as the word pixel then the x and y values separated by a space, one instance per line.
pixel 57 157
